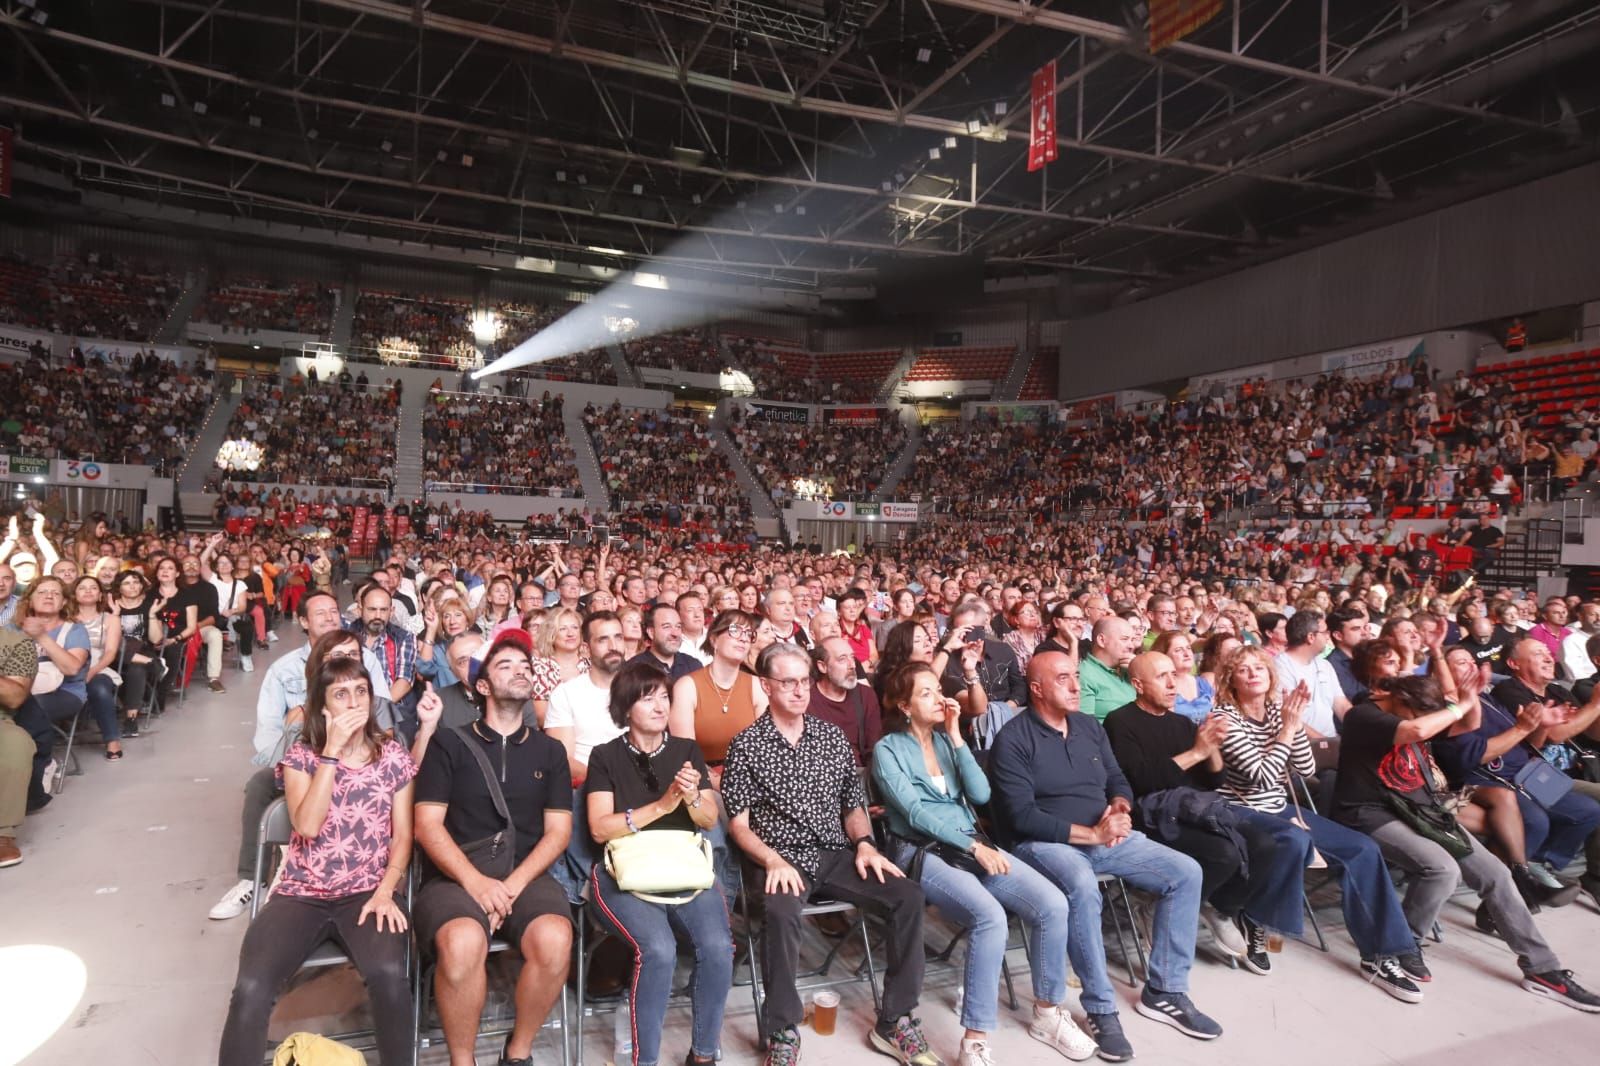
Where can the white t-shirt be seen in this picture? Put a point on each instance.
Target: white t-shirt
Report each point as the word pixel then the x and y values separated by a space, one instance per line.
pixel 228 593
pixel 1320 679
pixel 585 708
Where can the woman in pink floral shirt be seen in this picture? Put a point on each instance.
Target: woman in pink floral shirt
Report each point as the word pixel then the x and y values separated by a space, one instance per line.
pixel 348 786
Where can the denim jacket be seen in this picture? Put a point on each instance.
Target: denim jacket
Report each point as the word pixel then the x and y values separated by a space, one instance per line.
pixel 915 808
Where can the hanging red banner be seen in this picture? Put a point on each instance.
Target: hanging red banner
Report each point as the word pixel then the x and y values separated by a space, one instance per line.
pixel 5 162
pixel 1173 20
pixel 1042 130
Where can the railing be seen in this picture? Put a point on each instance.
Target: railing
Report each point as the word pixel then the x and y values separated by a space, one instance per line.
pixel 479 488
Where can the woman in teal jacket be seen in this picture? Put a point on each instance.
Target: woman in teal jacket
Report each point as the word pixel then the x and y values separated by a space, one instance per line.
pixel 928 781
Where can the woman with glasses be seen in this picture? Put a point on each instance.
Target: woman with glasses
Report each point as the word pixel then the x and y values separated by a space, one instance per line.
pixel 712 704
pixel 644 781
pixel 1068 625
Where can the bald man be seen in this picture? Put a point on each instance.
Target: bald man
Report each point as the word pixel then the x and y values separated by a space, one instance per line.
pixel 1063 806
pixel 1252 866
pixel 1104 675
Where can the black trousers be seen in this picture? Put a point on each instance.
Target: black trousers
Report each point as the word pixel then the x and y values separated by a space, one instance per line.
pixel 899 901
pixel 277 943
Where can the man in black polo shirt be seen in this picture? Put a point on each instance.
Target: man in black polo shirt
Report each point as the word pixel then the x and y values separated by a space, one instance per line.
pixel 663 629
pixel 458 907
pixel 202 595
pixel 1485 540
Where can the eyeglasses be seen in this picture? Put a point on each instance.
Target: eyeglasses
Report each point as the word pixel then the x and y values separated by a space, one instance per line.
pixel 790 684
pixel 740 632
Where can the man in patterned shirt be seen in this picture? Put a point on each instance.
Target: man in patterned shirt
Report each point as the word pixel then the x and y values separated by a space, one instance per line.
pixel 798 810
pixel 19 663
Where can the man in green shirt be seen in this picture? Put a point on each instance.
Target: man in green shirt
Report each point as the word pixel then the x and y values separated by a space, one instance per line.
pixel 1103 675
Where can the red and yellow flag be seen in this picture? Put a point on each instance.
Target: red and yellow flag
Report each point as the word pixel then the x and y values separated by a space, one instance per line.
pixel 1173 20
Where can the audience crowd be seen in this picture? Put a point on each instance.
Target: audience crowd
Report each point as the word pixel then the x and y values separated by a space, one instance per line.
pixel 497 446
pixel 245 305
pixel 690 350
pixel 311 433
pixel 403 327
pixel 145 411
pixel 94 296
pixel 821 461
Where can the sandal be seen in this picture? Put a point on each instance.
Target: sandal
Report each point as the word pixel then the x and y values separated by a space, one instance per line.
pixel 113 756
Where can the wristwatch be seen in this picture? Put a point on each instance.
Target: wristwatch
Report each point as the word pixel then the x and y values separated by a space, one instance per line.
pixel 858 841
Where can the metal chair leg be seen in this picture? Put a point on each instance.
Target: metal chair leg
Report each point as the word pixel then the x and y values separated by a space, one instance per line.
pixel 1133 929
pixel 583 965
pixel 1316 927
pixel 866 948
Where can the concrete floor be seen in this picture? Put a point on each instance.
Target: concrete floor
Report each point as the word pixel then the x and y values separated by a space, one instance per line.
pixel 123 866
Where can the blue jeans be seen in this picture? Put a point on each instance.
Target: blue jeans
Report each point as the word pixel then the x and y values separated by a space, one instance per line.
pixel 980 905
pixel 102 706
pixel 1372 913
pixel 988 725
pixel 652 930
pixel 1555 835
pixel 571 869
pixel 1172 877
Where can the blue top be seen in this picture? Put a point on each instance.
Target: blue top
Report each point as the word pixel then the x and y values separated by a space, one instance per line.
pixel 1459 756
pixel 915 808
pixel 1044 783
pixel 72 637
pixel 1196 709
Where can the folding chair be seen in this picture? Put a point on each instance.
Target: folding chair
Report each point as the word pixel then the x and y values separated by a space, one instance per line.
pixel 422 992
pixel 1109 885
pixel 276 831
pixel 68 765
pixel 814 978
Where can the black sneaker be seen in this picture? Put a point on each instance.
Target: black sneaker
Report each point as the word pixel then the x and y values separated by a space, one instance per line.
pixel 783 1048
pixel 1255 957
pixel 1415 966
pixel 1106 1029
pixel 507 1060
pixel 1483 921
pixel 1177 1010
pixel 1385 972
pixel 1559 986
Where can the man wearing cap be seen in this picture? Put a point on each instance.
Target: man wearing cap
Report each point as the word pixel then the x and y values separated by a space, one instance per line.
pixel 459 907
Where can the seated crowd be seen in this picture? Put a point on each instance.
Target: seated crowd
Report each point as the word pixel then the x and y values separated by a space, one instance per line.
pixel 497 446
pixel 663 469
pixel 145 411
pixel 689 350
pixel 517 320
pixel 93 296
pixel 246 304
pixel 311 433
pixel 649 687
pixel 823 461
pixel 403 327
pixel 777 371
pixel 1335 447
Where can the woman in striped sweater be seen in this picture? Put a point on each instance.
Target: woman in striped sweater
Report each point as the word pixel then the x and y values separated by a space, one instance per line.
pixel 1266 742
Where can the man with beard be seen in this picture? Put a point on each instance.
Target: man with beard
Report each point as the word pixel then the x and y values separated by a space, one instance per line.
pixel 393 647
pixel 663 631
pixel 839 698
pixel 579 717
pixel 458 907
pixel 202 596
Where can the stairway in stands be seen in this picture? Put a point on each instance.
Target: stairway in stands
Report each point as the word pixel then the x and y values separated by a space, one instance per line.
pixel 203 456
pixel 344 318
pixel 626 374
pixel 892 380
pixel 172 330
pixel 595 495
pixel 1009 389
pixel 408 445
pixel 902 463
pixel 762 507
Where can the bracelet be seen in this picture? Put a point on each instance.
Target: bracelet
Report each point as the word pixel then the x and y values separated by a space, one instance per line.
pixel 627 816
pixel 328 760
pixel 1457 711
pixel 971 679
pixel 695 803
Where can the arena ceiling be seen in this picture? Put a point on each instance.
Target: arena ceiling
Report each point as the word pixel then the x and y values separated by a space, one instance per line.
pixel 794 141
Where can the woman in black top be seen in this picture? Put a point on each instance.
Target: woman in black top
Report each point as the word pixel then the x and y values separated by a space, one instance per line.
pixel 647 780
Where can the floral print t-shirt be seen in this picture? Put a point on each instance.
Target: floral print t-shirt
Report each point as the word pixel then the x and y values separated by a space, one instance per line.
pixel 350 854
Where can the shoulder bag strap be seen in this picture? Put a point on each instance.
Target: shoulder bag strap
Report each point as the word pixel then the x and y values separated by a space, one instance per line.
pixel 495 792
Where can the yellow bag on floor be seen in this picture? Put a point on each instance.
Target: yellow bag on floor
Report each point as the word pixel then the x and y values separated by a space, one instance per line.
pixel 309 1049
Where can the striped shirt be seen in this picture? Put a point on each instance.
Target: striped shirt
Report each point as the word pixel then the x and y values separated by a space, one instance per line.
pixel 1255 762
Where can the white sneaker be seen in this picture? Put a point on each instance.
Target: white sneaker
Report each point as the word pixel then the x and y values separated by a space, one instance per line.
pixel 1054 1026
pixel 1224 931
pixel 234 902
pixel 52 777
pixel 974 1053
pixel 272 638
pixel 247 664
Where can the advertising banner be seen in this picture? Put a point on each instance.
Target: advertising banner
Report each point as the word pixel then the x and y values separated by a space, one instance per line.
pixel 899 512
pixel 1173 20
pixel 853 415
pixel 775 412
pixel 836 509
pixel 1373 358
pixel 17 340
pixel 1042 128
